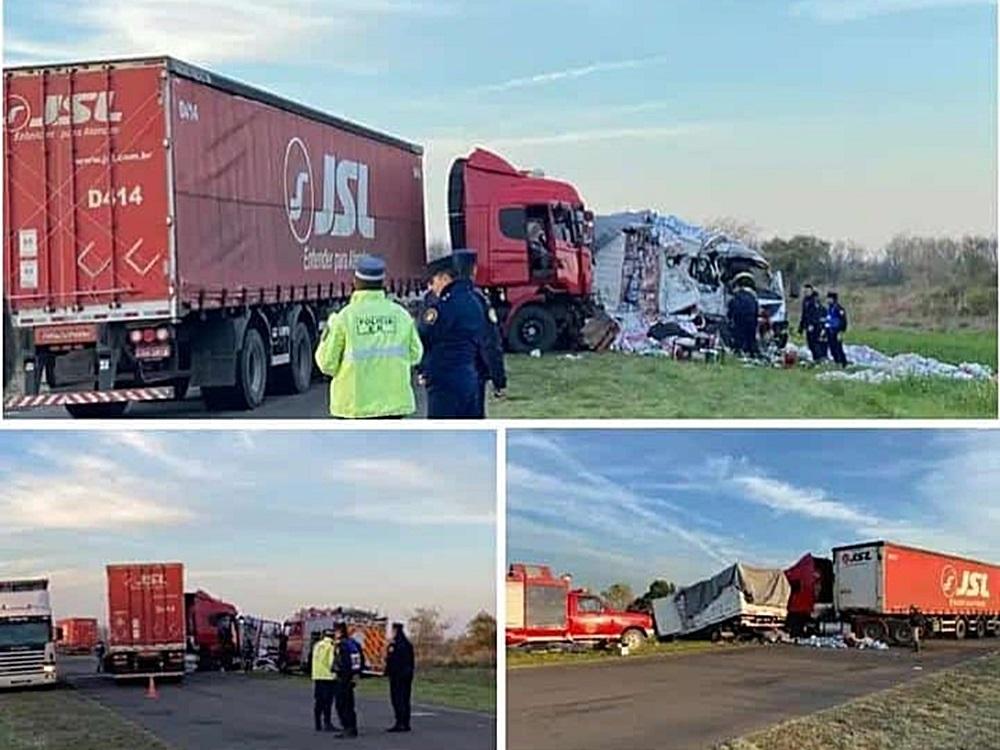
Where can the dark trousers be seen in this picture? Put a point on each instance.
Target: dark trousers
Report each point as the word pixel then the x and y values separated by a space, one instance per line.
pixel 400 688
pixel 836 348
pixel 816 344
pixel 746 338
pixel 323 692
pixel 481 400
pixel 345 706
pixel 458 401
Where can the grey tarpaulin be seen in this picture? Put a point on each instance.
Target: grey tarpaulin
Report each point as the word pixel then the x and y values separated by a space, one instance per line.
pixel 761 586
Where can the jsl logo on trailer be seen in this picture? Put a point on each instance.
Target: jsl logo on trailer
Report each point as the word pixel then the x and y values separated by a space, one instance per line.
pixel 342 208
pixel 964 584
pixel 78 109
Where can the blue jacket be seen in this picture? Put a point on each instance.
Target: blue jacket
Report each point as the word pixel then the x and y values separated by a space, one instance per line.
pixel 836 317
pixel 452 329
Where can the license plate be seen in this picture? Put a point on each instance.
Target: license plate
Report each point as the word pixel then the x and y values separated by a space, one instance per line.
pixel 156 351
pixel 83 333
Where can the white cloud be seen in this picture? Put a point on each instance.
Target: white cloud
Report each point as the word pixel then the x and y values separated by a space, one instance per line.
pixel 803 501
pixel 159 447
pixel 834 11
pixel 214 31
pixel 582 71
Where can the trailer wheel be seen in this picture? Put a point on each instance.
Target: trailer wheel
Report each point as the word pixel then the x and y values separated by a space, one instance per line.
pixel 97 411
pixel 533 327
pixel 251 371
pixel 977 627
pixel 874 629
pixel 296 376
pixel 961 629
pixel 633 639
pixel 902 633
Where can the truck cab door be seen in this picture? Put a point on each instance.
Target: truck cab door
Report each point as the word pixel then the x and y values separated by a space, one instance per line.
pixel 591 620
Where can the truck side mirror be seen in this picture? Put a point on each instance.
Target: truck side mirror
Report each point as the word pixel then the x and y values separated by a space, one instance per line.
pixel 588 215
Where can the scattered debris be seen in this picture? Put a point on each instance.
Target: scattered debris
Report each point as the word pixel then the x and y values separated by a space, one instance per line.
pixel 841 641
pixel 869 365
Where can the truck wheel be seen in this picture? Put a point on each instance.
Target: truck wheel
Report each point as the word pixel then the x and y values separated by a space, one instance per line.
pixel 874 629
pixel 180 388
pixel 977 628
pixel 251 371
pixel 97 411
pixel 633 639
pixel 533 327
pixel 296 376
pixel 961 629
pixel 902 633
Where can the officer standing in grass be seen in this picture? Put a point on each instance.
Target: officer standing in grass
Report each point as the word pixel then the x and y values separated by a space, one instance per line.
pixel 744 310
pixel 490 364
pixel 324 686
pixel 368 349
pixel 399 668
pixel 836 326
pixel 811 323
pixel 452 329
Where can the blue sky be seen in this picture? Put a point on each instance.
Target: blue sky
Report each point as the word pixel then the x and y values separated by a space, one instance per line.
pixel 267 520
pixel 632 506
pixel 852 119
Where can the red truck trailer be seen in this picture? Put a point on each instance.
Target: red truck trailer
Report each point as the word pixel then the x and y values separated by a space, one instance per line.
pixel 77 635
pixel 535 242
pixel 146 633
pixel 167 227
pixel 543 608
pixel 212 631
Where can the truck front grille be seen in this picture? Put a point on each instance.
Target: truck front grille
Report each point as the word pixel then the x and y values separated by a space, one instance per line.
pixel 21 662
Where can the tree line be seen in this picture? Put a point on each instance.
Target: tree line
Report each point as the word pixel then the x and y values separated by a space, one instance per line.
pixel 475 646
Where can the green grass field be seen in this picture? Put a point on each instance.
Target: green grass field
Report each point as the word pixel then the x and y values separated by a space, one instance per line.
pixel 612 385
pixel 519 659
pixel 958 709
pixel 58 719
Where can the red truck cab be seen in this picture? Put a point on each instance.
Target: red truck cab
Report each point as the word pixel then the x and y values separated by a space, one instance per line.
pixel 543 608
pixel 212 630
pixel 534 237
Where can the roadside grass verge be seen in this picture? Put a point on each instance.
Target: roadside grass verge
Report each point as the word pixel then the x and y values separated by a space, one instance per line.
pixel 520 659
pixel 60 718
pixel 614 385
pixel 956 709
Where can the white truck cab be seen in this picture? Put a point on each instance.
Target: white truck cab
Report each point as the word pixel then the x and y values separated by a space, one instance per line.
pixel 27 637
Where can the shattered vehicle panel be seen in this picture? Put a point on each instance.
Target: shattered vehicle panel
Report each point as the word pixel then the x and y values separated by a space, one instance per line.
pixel 652 269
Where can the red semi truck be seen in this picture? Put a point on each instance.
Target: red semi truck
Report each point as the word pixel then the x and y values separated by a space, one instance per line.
pixel 874 586
pixel 167 227
pixel 77 635
pixel 146 628
pixel 543 608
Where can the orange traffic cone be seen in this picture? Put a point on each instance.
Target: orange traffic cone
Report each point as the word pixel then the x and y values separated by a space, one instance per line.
pixel 151 689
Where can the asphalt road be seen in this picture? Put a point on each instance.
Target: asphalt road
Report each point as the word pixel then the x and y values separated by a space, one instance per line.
pixel 313 404
pixel 694 701
pixel 272 712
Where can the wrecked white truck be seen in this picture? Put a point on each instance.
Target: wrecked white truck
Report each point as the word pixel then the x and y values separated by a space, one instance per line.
pixel 739 601
pixel 667 284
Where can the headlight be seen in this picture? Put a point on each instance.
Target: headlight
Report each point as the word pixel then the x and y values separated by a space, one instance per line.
pixel 49 668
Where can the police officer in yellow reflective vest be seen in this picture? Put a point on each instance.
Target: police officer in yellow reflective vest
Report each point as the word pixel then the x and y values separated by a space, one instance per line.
pixel 324 685
pixel 368 349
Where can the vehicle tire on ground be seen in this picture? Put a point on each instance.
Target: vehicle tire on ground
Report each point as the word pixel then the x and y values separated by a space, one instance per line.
pixel 901 632
pixel 296 376
pixel 633 638
pixel 533 327
pixel 251 371
pixel 874 629
pixel 961 629
pixel 97 411
pixel 977 627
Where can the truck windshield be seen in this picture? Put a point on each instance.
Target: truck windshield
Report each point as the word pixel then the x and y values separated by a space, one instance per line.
pixel 24 633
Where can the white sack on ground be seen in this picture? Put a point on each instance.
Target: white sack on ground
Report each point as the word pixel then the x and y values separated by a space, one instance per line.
pixel 869 365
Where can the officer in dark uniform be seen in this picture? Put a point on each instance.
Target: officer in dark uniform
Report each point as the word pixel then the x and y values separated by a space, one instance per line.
pixel 743 311
pixel 346 665
pixel 399 667
pixel 811 323
pixel 490 365
pixel 452 328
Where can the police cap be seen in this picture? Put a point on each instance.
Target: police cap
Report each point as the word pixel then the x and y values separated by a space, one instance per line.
pixel 444 264
pixel 370 268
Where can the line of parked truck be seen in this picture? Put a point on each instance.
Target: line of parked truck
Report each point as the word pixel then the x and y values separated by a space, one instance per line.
pixel 155 628
pixel 877 590
pixel 168 227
